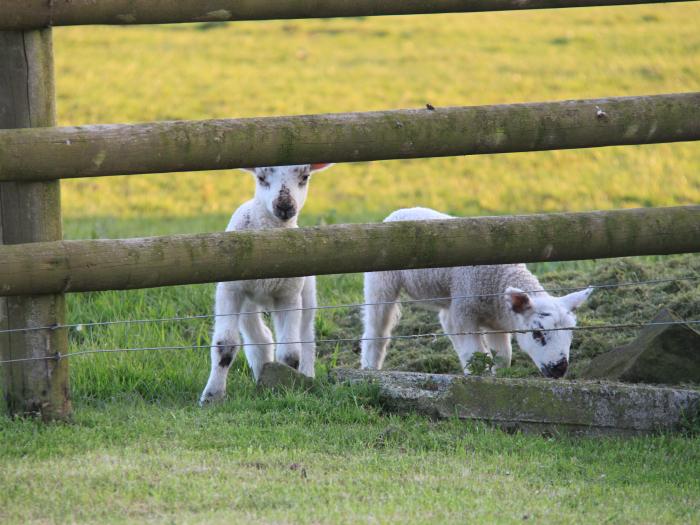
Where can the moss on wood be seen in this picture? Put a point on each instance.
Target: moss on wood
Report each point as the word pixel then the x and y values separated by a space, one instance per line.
pixel 91 151
pixel 89 265
pixel 28 14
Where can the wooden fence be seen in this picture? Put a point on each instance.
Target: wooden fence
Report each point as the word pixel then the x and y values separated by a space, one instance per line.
pixel 30 14
pixel 37 267
pixel 82 266
pixel 92 151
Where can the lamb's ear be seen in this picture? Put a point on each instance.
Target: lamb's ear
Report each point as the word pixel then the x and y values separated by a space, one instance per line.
pixel 576 299
pixel 320 166
pixel 518 300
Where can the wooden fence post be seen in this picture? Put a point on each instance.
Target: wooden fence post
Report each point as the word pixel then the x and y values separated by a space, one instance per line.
pixel 31 212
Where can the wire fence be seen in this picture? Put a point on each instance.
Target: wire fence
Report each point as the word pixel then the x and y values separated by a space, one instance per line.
pixel 81 326
pixel 433 335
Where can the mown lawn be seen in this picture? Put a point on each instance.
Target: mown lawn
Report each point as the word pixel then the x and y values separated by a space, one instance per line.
pixel 328 457
pixel 139 450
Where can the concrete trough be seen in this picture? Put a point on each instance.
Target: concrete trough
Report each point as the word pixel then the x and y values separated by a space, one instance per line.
pixel 278 376
pixel 535 405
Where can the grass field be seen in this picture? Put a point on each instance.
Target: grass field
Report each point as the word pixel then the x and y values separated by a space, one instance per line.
pixel 139 450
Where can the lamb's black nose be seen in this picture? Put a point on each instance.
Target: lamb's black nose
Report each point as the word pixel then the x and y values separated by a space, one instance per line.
pixel 285 209
pixel 556 370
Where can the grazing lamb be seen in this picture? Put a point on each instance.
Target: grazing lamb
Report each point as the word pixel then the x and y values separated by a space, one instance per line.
pixel 507 308
pixel 280 193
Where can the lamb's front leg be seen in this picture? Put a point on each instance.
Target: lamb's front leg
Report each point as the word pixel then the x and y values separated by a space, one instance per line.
pixel 501 347
pixel 288 330
pixel 467 346
pixel 308 332
pixel 465 343
pixel 225 343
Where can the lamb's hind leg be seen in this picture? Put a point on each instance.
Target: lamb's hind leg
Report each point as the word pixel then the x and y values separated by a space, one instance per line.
pixel 379 319
pixel 225 342
pixel 308 332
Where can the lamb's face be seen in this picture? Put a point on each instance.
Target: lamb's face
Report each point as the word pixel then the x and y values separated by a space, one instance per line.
pixel 283 189
pixel 548 317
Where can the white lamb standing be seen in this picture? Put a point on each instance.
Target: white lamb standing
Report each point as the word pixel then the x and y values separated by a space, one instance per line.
pixel 280 193
pixel 509 305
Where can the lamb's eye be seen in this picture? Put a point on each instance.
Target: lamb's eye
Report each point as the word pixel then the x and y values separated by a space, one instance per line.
pixel 538 336
pixel 262 180
pixel 303 179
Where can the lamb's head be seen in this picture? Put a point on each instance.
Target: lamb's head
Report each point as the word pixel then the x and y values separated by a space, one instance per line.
pixel 548 318
pixel 282 189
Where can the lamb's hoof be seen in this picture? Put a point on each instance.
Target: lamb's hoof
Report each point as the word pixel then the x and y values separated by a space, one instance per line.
pixel 291 361
pixel 211 397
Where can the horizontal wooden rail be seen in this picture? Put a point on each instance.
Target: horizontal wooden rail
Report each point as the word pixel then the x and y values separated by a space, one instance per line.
pixel 25 14
pixel 91 151
pixel 79 266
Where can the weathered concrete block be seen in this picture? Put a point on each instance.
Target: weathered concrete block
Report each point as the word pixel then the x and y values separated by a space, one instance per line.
pixel 280 376
pixel 667 354
pixel 579 407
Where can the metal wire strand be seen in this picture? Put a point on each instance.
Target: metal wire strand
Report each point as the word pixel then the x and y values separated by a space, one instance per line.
pixel 352 340
pixel 338 306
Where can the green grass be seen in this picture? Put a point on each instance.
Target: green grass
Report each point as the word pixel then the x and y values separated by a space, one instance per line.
pixel 139 450
pixel 328 457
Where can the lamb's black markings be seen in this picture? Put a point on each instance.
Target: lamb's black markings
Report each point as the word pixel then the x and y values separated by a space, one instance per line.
pixel 247 221
pixel 225 361
pixel 539 336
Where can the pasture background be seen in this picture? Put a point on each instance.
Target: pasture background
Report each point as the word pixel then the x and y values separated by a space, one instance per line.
pixel 140 451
